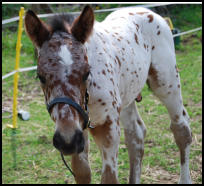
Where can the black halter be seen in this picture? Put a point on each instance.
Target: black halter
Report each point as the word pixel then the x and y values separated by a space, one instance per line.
pixel 84 113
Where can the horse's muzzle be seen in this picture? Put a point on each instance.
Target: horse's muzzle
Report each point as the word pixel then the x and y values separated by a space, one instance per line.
pixel 75 146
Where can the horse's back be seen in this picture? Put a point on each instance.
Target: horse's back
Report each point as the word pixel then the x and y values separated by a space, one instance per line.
pixel 142 38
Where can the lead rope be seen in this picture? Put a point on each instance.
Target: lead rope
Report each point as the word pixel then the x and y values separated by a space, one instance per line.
pixel 66 164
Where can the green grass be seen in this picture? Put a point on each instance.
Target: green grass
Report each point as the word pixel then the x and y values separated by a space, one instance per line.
pixel 39 162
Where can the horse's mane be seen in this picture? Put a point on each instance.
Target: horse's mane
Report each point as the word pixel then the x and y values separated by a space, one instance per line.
pixel 58 21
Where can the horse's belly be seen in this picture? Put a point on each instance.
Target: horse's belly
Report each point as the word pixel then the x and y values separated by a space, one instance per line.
pixel 133 74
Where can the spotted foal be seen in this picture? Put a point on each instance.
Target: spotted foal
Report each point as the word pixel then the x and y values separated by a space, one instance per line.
pixel 112 61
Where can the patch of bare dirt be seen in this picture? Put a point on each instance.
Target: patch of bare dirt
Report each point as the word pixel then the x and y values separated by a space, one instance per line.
pixel 158 175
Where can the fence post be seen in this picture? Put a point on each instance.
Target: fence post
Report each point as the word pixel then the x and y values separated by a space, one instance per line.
pixel 16 75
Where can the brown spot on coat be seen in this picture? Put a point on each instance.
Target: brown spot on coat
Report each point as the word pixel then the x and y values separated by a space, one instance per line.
pixel 114 103
pixel 136 39
pixel 111 93
pixel 118 61
pixel 94 84
pixel 145 46
pixel 103 72
pixel 158 32
pixel 137 27
pixel 154 76
pixel 118 109
pixel 150 18
pixel 112 80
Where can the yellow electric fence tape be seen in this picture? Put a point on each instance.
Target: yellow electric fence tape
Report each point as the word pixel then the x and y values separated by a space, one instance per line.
pixel 16 76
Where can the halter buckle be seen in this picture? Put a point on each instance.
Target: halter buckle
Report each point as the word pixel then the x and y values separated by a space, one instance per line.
pixel 89 124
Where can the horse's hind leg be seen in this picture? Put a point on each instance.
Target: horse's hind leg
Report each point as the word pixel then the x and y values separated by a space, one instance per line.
pixel 135 131
pixel 164 81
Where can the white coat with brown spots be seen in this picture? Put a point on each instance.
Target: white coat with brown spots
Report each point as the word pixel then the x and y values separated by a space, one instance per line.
pixel 130 47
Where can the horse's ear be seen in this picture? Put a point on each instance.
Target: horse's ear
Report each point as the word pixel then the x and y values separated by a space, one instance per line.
pixel 37 30
pixel 83 25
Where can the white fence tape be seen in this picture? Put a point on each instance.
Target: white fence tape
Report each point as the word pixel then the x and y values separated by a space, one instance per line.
pixel 75 13
pixel 20 70
pixel 187 32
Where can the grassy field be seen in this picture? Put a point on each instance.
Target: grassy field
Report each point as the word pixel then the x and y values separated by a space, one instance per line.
pixel 39 162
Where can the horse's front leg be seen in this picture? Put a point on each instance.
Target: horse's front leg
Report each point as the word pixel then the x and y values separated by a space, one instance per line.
pixel 107 137
pixel 80 164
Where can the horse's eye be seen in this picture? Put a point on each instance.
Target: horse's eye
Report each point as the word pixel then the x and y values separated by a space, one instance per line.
pixel 41 78
pixel 85 76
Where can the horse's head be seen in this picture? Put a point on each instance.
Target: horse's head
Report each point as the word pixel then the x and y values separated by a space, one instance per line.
pixel 63 69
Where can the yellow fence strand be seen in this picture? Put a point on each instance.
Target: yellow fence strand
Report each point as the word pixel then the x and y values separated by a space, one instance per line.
pixel 169 22
pixel 16 75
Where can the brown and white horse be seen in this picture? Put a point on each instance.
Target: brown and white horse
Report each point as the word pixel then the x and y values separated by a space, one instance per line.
pixel 111 61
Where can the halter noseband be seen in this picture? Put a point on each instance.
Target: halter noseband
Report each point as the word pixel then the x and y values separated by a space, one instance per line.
pixel 84 113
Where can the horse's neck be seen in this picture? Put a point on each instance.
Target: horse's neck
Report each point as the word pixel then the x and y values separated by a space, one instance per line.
pixel 94 44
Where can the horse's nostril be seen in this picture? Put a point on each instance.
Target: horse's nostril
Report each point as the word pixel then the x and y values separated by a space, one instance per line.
pixel 78 136
pixel 79 140
pixel 57 140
